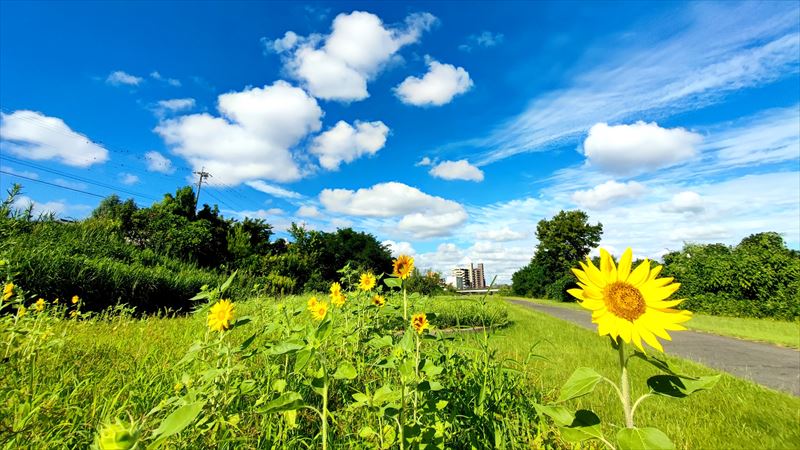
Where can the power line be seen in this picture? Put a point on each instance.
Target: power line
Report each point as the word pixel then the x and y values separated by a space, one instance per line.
pixel 51 184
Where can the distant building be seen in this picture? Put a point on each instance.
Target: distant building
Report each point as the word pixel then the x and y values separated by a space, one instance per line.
pixel 469 277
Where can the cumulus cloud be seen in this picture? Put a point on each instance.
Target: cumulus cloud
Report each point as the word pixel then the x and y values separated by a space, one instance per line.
pixel 156 162
pixel 684 202
pixel 421 215
pixel 253 136
pixel 308 211
pixel 120 78
pixel 24 202
pixel 607 193
pixel 345 143
pixel 32 135
pixel 504 234
pixel 338 66
pixel 275 191
pixel 437 87
pixel 637 148
pixel 173 105
pixel 128 178
pixel 399 248
pixel 425 161
pixel 457 170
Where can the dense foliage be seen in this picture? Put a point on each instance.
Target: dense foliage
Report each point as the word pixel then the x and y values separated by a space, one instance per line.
pixel 156 257
pixel 563 241
pixel 759 277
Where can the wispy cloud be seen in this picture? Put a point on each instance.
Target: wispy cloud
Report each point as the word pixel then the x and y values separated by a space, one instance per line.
pixel 716 49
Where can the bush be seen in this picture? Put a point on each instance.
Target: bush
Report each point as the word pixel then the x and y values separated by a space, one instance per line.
pixel 557 290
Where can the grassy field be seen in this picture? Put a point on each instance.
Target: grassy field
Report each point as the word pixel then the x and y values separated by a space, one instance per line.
pixel 74 376
pixel 778 332
pixel 733 415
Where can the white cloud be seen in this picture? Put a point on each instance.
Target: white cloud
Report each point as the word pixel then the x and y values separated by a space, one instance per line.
pixel 457 170
pixel 56 208
pixel 170 81
pixel 156 162
pixel 485 39
pixel 504 234
pixel 174 105
pixel 680 63
pixel 685 202
pixel 128 178
pixel 308 211
pixel 425 161
pixel 399 248
pixel 437 87
pixel 710 232
pixel 119 78
pixel 275 191
pixel 270 213
pixel 71 184
pixel 253 137
pixel 32 135
pixel 421 215
pixel 338 66
pixel 345 143
pixel 22 173
pixel 637 148
pixel 610 192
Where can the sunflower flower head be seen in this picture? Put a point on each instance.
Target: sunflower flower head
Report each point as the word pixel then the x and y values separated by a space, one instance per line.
pixel 312 303
pixel 75 299
pixel 403 266
pixel 629 304
pixel 8 290
pixel 117 436
pixel 319 311
pixel 367 281
pixel 220 317
pixel 419 322
pixel 378 300
pixel 39 305
pixel 336 288
pixel 338 299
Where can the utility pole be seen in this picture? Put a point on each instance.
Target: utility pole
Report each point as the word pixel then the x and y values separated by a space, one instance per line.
pixel 202 175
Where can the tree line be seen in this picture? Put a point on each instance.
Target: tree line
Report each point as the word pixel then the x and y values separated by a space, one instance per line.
pixel 759 277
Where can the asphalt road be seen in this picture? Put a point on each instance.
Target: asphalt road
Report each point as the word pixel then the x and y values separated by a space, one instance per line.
pixel 768 365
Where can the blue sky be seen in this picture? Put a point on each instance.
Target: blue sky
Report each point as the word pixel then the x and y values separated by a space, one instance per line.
pixel 446 129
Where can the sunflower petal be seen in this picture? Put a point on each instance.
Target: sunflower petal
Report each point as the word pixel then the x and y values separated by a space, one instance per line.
pixel 607 266
pixel 650 339
pixel 640 273
pixel 624 268
pixel 594 274
pixel 653 295
pixel 654 272
pixel 577 293
pixel 637 341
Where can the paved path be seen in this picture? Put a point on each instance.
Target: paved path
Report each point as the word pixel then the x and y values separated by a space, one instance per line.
pixel 766 364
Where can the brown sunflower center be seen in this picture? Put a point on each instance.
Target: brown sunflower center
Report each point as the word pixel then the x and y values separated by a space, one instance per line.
pixel 624 300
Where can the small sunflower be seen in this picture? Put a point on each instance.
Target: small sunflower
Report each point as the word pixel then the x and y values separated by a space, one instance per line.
pixel 629 304
pixel 8 291
pixel 403 266
pixel 319 311
pixel 220 316
pixel 40 305
pixel 336 288
pixel 378 300
pixel 367 281
pixel 75 299
pixel 338 299
pixel 419 322
pixel 312 303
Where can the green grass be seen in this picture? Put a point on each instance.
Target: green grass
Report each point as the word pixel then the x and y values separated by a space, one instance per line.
pixel 734 414
pixel 778 332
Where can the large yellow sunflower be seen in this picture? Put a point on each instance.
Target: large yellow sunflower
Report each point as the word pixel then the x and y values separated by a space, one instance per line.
pixel 630 304
pixel 403 266
pixel 220 316
pixel 319 311
pixel 367 281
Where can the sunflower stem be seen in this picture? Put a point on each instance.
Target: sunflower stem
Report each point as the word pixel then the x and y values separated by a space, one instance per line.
pixel 625 385
pixel 405 303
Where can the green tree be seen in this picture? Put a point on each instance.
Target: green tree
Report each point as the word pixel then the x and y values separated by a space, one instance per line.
pixel 563 241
